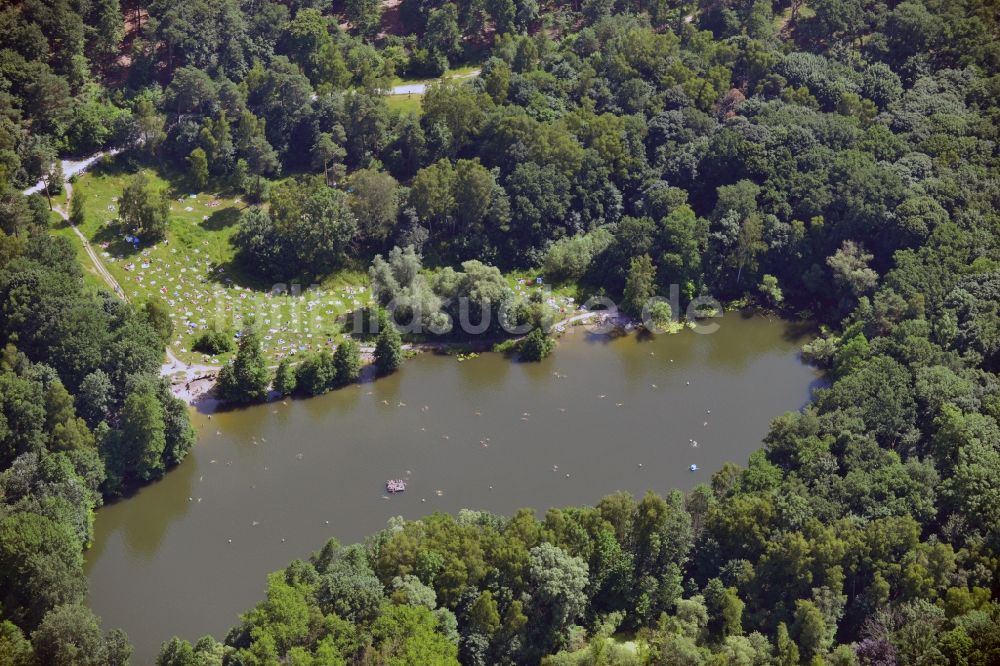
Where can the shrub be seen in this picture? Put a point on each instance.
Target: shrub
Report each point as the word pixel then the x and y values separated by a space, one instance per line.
pixel 214 341
pixel 537 345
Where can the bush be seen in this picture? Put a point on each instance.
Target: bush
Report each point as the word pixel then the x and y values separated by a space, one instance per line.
pixel 569 258
pixel 661 318
pixel 347 362
pixel 537 345
pixel 388 347
pixel 214 341
pixel 428 62
pixel 285 380
pixel 770 292
pixel 246 378
pixel 317 374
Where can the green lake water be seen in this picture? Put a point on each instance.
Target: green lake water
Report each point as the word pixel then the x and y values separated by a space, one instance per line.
pixel 271 483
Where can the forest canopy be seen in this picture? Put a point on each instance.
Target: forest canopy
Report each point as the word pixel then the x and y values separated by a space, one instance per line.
pixel 835 160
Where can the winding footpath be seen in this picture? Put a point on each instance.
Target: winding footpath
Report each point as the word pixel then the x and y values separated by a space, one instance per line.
pixel 71 168
pixel 89 249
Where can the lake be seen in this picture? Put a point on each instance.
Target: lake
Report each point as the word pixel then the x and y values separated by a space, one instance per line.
pixel 271 483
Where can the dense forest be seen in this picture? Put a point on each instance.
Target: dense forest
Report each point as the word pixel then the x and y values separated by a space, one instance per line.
pixel 835 160
pixel 84 416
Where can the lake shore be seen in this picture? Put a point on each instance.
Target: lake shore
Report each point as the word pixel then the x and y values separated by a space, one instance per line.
pixel 279 478
pixel 194 383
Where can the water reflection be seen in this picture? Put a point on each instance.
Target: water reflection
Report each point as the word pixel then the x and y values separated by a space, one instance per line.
pixel 279 479
pixel 142 538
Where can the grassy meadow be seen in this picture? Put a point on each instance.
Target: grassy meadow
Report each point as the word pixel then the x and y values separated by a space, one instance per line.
pixel 411 103
pixel 192 271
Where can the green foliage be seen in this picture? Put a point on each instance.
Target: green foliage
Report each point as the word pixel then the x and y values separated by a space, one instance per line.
pixel 70 635
pixel 143 436
pixel 788 651
pixel 316 374
pixel 810 629
pixel 825 157
pixel 725 610
pixel 306 41
pixel 94 397
pixel 640 285
pixel 496 79
pixel 364 15
pixel 214 340
pixel 570 258
pixel 409 590
pixel 409 635
pixel 770 291
pixel 41 566
pixel 158 314
pixel 285 378
pixel 178 652
pixel 15 648
pixel 245 378
pixel 483 615
pixel 259 154
pixel 537 345
pixel 375 203
pixel 851 270
pixel 142 210
pixel 426 62
pixel 388 348
pixel 76 207
pixel 347 362
pixel 456 108
pixel 558 580
pixel 309 227
pixel 198 164
pixel 661 318
pixel 442 34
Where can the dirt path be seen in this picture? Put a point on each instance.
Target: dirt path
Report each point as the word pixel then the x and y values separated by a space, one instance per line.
pixel 174 366
pixel 72 167
pixel 189 381
pixel 89 249
pixel 561 325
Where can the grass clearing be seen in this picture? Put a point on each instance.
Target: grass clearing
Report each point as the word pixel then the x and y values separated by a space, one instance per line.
pixel 404 104
pixel 452 73
pixel 192 271
pixel 463 71
pixel 563 296
pixel 92 280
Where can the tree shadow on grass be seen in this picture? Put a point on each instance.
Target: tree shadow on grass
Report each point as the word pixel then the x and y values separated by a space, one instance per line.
pixel 117 246
pixel 233 273
pixel 58 222
pixel 118 165
pixel 222 219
